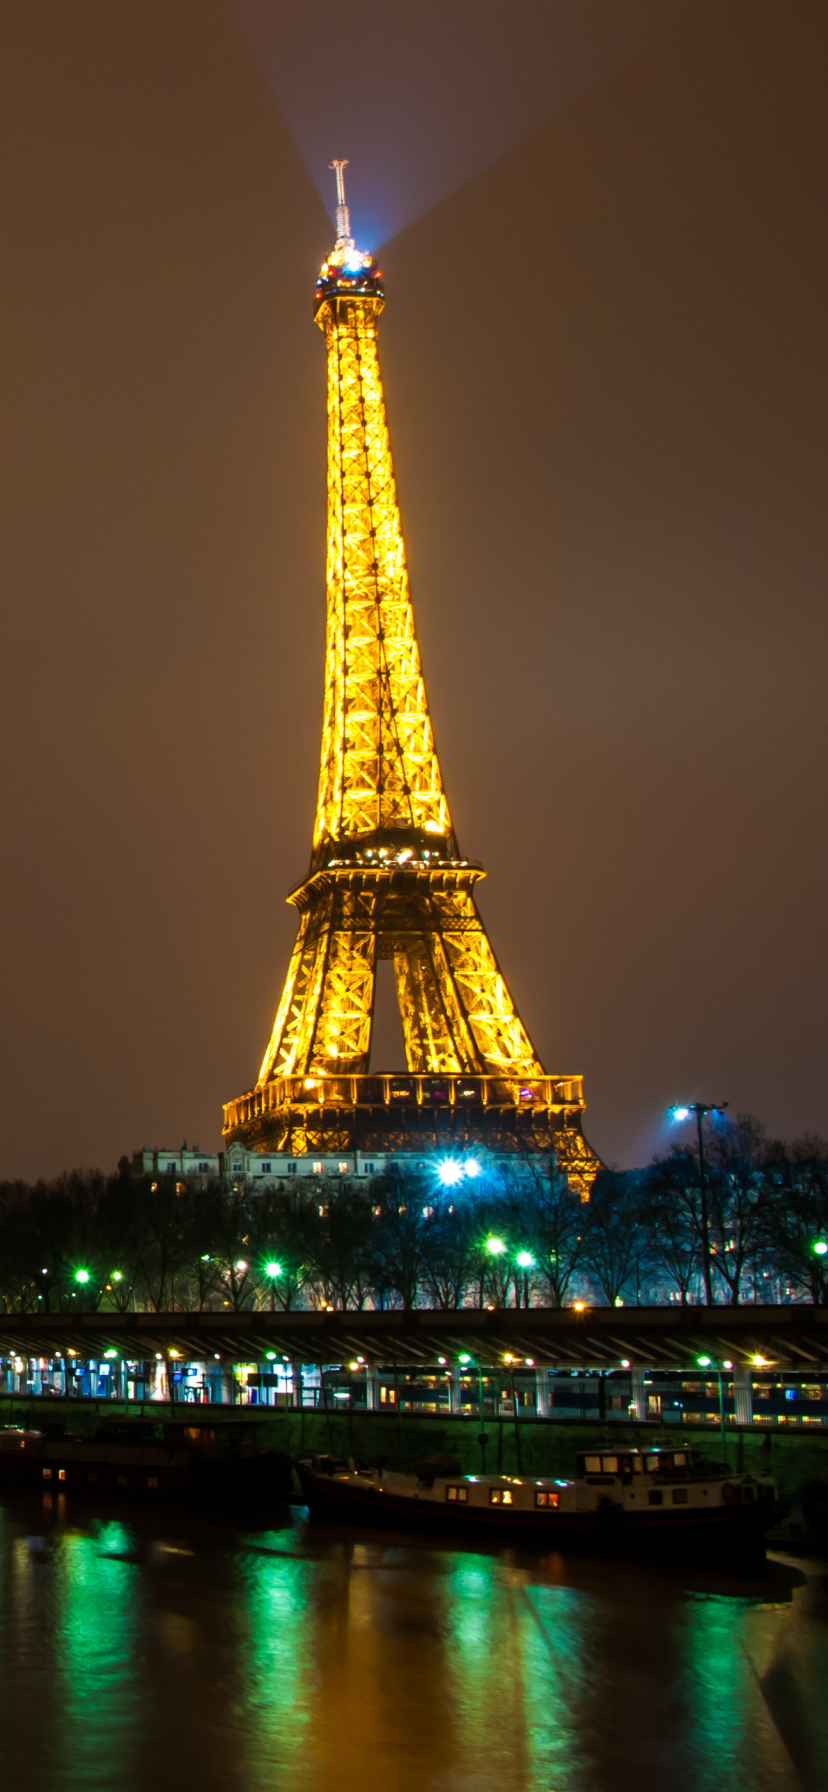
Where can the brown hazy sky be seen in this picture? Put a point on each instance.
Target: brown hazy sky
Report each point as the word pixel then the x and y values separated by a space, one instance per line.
pixel 605 367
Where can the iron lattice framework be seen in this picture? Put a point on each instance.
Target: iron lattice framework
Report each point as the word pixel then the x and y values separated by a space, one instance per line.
pixel 386 878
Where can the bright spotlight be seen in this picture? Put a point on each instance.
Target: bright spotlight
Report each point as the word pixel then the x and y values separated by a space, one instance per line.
pixel 495 1247
pixel 525 1260
pixel 273 1269
pixel 449 1172
pixel 472 1167
pixel 821 1247
pixel 680 1114
pixel 704 1362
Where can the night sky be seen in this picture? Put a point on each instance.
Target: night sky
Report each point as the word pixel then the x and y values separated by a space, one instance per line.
pixel 604 358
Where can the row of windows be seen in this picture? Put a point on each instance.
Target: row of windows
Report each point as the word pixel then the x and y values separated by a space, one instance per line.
pixel 503 1496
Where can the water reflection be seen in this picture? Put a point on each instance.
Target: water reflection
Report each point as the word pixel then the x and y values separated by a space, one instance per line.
pixel 133 1655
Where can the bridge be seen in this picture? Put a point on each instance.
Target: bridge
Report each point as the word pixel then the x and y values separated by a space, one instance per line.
pixel 563 1338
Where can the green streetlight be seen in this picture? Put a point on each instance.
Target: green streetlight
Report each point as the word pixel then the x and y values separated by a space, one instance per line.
pixel 495 1247
pixel 273 1270
pixel 82 1276
pixel 820 1247
pixel 524 1261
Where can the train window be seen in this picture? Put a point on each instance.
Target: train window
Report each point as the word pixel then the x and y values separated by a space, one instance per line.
pixel 500 1496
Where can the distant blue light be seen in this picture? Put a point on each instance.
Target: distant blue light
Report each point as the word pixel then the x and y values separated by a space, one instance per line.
pixel 680 1113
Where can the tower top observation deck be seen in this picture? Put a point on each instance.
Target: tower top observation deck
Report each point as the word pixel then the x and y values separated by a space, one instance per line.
pixel 347 273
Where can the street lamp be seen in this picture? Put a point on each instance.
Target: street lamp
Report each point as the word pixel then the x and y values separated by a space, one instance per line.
pixel 706 1362
pixel 273 1270
pixel 525 1261
pixel 495 1247
pixel 700 1108
pixel 820 1247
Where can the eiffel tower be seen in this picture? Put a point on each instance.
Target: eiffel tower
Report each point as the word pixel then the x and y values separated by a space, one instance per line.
pixel 386 877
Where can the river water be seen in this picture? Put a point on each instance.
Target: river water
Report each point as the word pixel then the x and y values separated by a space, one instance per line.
pixel 141 1655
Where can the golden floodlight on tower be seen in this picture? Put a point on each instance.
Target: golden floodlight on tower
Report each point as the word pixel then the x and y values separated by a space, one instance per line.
pixel 386 877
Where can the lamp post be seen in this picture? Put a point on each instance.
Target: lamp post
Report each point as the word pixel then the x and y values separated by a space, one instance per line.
pixel 706 1362
pixel 272 1270
pixel 525 1261
pixel 700 1108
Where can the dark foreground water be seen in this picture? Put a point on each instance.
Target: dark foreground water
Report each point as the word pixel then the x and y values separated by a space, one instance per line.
pixel 138 1656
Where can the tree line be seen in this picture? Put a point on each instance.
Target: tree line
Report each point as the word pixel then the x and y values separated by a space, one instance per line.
pixel 516 1235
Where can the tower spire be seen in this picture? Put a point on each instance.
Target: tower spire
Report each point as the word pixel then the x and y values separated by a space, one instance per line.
pixel 344 238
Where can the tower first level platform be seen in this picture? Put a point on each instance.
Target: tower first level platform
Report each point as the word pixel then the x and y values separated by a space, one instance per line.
pixel 404 1115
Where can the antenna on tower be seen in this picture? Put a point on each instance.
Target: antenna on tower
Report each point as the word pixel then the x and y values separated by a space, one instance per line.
pixel 343 216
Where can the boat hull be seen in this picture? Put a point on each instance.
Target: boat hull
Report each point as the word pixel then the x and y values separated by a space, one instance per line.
pixel 730 1528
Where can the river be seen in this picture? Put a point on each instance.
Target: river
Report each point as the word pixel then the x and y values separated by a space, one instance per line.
pixel 151 1653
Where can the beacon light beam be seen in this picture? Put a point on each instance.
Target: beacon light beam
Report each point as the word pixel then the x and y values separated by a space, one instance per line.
pixel 387 878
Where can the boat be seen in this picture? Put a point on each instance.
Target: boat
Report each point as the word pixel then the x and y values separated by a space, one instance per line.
pixel 200 1463
pixel 650 1495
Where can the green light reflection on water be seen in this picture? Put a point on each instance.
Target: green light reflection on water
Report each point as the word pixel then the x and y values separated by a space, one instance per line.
pixel 519 1670
pixel 97 1615
pixel 278 1654
pixel 729 1737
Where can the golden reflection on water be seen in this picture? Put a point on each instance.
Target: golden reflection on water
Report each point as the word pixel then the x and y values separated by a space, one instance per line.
pixel 145 1656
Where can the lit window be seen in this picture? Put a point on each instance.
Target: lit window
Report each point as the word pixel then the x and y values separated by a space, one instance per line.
pixel 343 1169
pixel 610 1465
pixel 47 1474
pixel 593 1465
pixel 317 1169
pixel 544 1498
pixel 61 1474
pixel 457 1493
pixel 500 1496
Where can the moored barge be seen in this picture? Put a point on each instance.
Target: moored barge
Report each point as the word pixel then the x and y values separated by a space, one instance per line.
pixel 148 1460
pixel 652 1496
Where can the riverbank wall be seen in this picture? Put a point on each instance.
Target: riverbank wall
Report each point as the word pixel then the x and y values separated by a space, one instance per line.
pixel 527 1445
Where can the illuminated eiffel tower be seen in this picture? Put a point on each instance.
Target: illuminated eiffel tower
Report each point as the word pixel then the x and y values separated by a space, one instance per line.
pixel 386 877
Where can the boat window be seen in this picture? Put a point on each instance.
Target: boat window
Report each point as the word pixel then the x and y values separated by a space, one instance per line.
pixel 680 1459
pixel 500 1496
pixel 638 1465
pixel 653 1465
pixel 680 1496
pixel 656 1499
pixel 457 1493
pixel 592 1464
pixel 610 1465
pixel 542 1498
